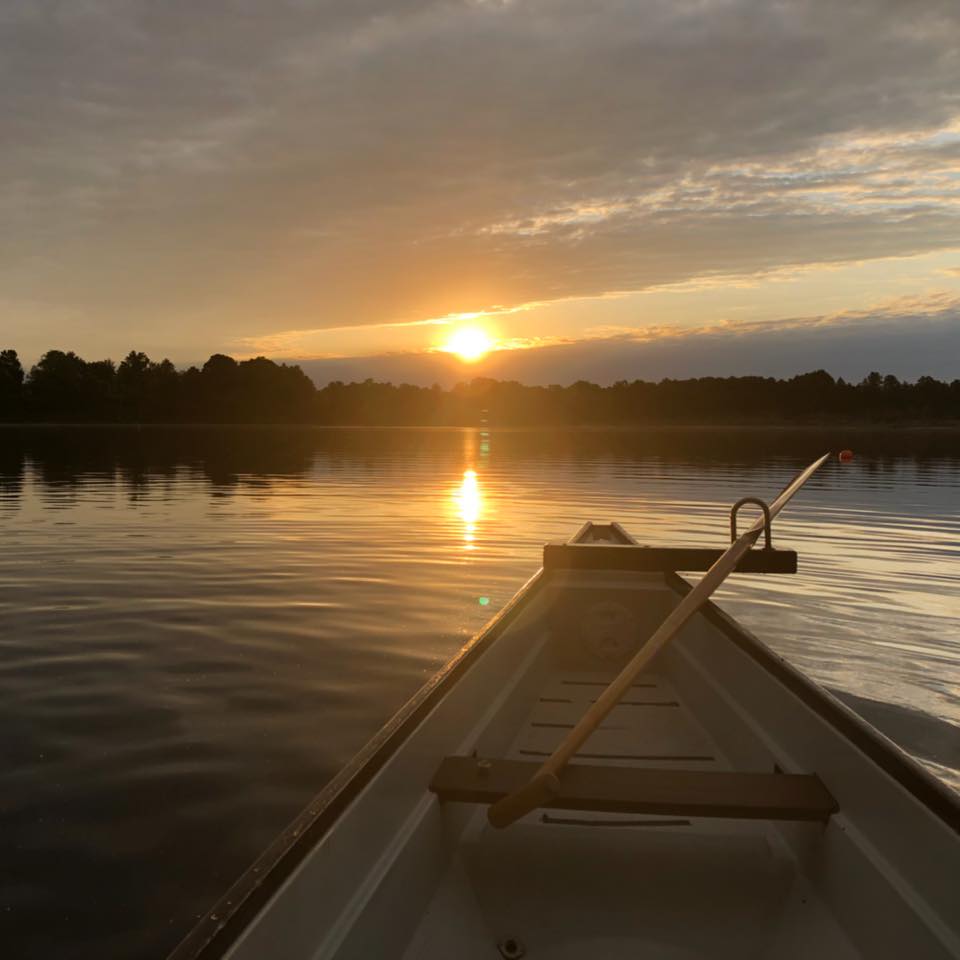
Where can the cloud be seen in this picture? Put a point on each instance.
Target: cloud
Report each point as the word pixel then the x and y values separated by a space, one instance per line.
pixel 910 337
pixel 237 169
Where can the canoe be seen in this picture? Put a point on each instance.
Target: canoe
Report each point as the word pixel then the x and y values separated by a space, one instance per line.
pixel 728 806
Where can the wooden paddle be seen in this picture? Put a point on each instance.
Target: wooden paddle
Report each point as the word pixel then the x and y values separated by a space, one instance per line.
pixel 546 783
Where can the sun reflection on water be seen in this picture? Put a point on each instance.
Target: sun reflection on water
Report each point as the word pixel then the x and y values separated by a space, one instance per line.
pixel 469 505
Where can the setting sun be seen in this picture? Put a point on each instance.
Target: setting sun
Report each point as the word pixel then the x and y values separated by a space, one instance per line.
pixel 469 344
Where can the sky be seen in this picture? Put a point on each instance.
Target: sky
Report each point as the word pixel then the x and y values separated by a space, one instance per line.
pixel 605 188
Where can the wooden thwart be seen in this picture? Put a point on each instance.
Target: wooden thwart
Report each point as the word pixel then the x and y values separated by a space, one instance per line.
pixel 603 556
pixel 690 793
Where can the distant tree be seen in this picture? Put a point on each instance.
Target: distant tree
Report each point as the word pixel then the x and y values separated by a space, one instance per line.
pixel 134 386
pixel 100 389
pixel 273 393
pixel 11 385
pixel 165 392
pixel 932 399
pixel 219 394
pixel 220 368
pixel 61 387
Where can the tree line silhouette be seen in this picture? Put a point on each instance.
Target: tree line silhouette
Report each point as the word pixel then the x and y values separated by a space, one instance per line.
pixel 64 388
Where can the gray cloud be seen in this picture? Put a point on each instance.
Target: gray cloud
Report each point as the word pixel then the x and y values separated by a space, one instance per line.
pixel 211 171
pixel 909 340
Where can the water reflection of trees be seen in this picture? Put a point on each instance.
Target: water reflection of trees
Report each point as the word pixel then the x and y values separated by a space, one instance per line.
pixel 149 461
pixel 12 469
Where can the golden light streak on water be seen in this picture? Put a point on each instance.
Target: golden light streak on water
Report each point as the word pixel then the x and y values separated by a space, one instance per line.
pixel 469 506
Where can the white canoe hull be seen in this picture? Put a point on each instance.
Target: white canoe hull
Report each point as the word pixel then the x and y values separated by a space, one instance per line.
pixel 379 867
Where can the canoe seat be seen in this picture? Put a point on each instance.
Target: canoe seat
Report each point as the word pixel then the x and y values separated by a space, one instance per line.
pixel 691 793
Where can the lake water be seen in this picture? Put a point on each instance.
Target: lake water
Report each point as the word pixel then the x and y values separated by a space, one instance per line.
pixel 200 627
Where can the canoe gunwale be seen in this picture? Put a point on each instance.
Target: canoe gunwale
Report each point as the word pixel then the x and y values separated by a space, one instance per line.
pixel 919 782
pixel 211 938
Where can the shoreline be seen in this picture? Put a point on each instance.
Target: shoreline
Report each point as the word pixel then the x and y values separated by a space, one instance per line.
pixel 862 426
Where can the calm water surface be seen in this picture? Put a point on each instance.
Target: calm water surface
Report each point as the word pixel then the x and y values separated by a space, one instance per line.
pixel 199 628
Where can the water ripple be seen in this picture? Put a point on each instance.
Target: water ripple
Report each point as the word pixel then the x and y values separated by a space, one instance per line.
pixel 196 640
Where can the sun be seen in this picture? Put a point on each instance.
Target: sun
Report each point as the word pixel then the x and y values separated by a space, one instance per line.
pixel 469 344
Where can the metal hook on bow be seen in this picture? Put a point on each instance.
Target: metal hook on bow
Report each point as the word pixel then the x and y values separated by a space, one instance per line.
pixel 756 501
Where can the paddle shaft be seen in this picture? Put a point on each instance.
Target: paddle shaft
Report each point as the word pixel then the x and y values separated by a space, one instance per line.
pixel 546 784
